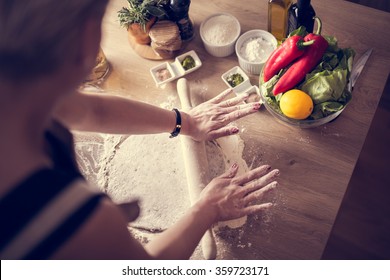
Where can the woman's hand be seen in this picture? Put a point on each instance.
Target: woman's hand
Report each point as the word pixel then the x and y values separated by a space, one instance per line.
pixel 210 120
pixel 230 196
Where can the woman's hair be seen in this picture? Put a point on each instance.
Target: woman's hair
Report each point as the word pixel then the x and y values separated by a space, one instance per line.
pixel 36 36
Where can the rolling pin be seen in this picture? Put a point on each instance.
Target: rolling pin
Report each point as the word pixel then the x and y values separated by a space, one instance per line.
pixel 196 166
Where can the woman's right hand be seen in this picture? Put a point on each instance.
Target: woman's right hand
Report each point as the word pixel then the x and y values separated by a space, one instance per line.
pixel 230 196
pixel 213 119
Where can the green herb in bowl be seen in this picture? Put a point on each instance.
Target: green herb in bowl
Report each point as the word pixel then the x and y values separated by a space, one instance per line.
pixel 235 79
pixel 188 62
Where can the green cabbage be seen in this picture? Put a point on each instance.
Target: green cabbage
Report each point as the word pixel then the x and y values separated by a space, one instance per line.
pixel 328 81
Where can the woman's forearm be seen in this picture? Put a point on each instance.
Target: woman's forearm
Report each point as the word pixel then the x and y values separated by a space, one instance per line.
pixel 181 239
pixel 114 114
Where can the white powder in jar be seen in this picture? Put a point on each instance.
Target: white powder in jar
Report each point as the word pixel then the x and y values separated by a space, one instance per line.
pixel 256 49
pixel 220 30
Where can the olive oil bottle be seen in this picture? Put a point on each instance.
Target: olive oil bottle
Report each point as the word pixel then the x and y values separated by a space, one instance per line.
pixel 278 15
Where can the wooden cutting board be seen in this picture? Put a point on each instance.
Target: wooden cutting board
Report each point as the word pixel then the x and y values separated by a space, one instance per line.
pixel 146 51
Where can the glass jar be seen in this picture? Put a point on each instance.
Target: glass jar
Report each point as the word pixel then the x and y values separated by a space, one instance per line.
pixel 100 70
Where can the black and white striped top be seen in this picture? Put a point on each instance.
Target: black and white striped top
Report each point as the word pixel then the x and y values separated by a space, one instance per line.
pixel 48 207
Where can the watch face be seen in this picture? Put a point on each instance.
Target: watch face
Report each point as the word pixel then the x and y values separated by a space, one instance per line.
pixel 176 131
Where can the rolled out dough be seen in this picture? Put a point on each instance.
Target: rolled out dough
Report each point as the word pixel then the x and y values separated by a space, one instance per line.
pixel 149 168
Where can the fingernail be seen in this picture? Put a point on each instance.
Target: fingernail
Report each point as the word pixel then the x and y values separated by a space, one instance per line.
pixel 277 172
pixel 268 167
pixel 268 205
pixel 256 106
pixel 234 130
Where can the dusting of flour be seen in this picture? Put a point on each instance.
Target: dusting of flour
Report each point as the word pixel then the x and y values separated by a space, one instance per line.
pixel 149 168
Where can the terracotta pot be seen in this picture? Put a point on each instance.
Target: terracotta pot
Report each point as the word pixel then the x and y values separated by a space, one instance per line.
pixel 140 35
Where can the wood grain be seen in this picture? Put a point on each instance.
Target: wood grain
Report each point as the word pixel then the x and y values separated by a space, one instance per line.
pixel 362 226
pixel 316 164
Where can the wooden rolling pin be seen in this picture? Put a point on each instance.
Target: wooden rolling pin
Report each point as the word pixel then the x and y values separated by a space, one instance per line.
pixel 196 165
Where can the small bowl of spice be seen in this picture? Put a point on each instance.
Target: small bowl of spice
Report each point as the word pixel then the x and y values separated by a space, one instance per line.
pixel 219 33
pixel 187 62
pixel 236 79
pixel 162 73
pixel 253 49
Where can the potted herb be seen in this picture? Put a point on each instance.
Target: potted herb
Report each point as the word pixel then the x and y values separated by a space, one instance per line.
pixel 139 16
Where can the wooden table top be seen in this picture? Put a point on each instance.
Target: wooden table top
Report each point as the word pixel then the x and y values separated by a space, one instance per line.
pixel 316 164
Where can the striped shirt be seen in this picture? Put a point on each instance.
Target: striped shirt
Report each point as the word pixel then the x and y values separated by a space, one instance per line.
pixel 48 207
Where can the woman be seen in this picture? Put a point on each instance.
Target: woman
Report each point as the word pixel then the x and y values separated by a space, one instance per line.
pixel 47 210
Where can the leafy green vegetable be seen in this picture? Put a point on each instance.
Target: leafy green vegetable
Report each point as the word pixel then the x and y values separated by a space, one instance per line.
pixel 328 82
pixel 267 87
pixel 326 108
pixel 332 43
pixel 326 85
pixel 301 31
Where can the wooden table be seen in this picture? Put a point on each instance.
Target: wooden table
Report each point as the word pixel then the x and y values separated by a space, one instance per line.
pixel 316 164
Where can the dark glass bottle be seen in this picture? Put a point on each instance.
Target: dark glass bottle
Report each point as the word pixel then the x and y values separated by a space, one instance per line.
pixel 306 15
pixel 179 13
pixel 301 14
pixel 292 18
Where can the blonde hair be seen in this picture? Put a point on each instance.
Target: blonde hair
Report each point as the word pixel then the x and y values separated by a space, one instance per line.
pixel 36 35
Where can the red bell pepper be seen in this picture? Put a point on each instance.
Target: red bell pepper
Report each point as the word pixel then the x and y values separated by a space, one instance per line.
pixel 304 64
pixel 292 48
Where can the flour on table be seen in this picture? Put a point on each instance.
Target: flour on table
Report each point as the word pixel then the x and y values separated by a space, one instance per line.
pixel 149 168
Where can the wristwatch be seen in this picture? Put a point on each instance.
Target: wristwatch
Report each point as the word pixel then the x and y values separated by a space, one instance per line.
pixel 177 129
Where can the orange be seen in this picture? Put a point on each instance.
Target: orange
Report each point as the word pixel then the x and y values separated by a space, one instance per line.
pixel 296 104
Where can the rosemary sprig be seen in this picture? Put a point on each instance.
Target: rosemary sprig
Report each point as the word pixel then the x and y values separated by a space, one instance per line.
pixel 141 11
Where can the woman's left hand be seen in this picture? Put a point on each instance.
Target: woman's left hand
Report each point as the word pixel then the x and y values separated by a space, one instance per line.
pixel 212 119
pixel 231 196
